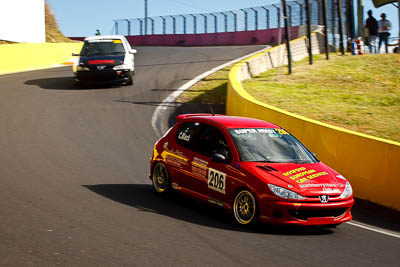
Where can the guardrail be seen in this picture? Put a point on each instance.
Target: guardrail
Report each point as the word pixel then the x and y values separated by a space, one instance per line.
pixel 25 57
pixel 370 163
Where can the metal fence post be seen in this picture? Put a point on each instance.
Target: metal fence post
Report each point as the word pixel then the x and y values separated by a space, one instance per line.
pixel 184 23
pixel 116 26
pixel 129 26
pixel 164 23
pixel 266 15
pixel 173 24
pixel 234 21
pixel 325 19
pixel 141 26
pixel 301 13
pixel 278 9
pixel 225 21
pixel 215 22
pixel 289 54
pixel 245 19
pixel 319 17
pixel 145 16
pixel 308 11
pixel 256 17
pixel 398 11
pixel 340 14
pixel 194 23
pixel 152 25
pixel 350 19
pixel 333 22
pixel 205 22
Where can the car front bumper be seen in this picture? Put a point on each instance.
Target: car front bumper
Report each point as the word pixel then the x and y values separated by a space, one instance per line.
pixel 306 213
pixel 102 76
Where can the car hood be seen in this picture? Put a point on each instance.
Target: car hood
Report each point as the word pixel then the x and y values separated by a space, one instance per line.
pixel 102 60
pixel 307 179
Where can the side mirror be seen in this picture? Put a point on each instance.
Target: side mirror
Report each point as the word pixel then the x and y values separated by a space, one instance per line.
pixel 133 51
pixel 219 158
pixel 75 55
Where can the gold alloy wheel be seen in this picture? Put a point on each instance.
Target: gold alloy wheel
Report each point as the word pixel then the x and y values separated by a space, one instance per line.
pixel 244 207
pixel 160 178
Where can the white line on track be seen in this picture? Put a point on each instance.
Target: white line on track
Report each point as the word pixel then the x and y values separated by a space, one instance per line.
pixel 374 229
pixel 157 117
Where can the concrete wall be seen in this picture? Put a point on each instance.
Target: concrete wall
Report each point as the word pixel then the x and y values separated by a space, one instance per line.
pixel 24 57
pixel 369 163
pixel 22 21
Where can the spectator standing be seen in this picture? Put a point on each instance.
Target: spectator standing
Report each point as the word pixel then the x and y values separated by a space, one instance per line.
pixel 97 32
pixel 384 31
pixel 371 25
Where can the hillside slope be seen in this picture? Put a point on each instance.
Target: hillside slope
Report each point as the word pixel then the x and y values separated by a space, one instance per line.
pixel 53 34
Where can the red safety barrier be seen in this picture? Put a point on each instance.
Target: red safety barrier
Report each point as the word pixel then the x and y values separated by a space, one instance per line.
pixel 259 37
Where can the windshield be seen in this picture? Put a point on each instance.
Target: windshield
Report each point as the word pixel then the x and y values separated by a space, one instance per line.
pixel 269 145
pixel 102 48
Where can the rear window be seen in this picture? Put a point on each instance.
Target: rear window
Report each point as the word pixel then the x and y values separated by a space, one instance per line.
pixel 102 48
pixel 187 134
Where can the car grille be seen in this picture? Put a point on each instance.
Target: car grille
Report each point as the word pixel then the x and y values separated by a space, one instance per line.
pixel 104 67
pixel 316 199
pixel 305 214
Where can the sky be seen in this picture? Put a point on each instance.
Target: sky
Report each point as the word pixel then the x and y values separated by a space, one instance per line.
pixel 80 18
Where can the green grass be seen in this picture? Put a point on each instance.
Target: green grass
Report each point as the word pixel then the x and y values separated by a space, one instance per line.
pixel 360 93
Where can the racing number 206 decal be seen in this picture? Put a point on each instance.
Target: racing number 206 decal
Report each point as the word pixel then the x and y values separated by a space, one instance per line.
pixel 216 180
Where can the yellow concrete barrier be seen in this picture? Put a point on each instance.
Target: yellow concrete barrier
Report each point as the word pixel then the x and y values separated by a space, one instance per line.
pixel 371 164
pixel 25 57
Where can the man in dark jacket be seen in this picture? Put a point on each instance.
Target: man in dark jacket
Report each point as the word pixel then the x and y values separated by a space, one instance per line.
pixel 372 26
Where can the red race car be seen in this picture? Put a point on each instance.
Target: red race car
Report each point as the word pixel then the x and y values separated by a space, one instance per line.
pixel 252 168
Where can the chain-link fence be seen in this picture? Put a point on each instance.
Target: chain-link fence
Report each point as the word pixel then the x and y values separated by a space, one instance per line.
pixel 248 19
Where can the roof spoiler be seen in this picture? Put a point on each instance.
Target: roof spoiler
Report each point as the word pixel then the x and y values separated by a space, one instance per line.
pixel 183 116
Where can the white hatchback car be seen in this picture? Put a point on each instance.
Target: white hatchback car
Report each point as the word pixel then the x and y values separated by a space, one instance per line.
pixel 105 59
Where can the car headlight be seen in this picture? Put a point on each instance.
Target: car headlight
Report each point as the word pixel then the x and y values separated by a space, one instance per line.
pixel 121 67
pixel 284 193
pixel 82 68
pixel 348 191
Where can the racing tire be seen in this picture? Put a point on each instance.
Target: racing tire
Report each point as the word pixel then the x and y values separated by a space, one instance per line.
pixel 78 85
pixel 160 179
pixel 245 208
pixel 130 79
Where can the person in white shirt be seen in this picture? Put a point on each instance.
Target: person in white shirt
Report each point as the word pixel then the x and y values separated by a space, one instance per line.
pixel 384 27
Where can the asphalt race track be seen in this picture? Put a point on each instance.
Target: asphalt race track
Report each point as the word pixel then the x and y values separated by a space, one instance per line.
pixel 74 187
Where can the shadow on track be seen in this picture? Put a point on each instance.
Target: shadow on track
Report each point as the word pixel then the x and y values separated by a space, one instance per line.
pixel 149 103
pixel 65 83
pixel 142 197
pixel 376 215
